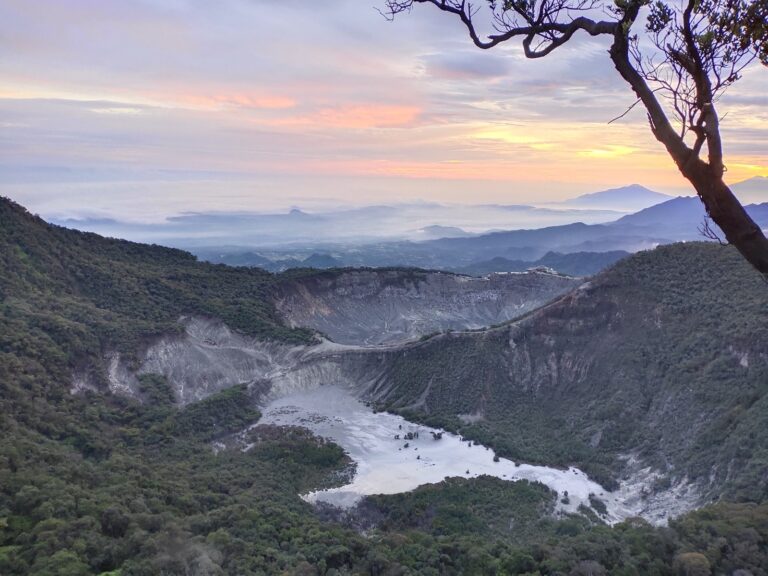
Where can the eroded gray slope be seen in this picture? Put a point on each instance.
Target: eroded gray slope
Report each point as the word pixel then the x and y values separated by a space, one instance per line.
pixel 368 307
pixel 208 357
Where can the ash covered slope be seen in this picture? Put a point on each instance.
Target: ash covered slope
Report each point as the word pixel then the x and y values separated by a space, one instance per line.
pixel 384 306
pixel 664 357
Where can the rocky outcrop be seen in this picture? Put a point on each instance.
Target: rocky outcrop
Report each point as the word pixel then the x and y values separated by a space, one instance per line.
pixel 370 307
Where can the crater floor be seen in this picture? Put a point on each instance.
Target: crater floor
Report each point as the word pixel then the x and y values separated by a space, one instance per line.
pixel 386 465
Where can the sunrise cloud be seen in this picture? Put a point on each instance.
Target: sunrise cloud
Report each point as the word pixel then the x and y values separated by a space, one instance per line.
pixel 355 117
pixel 283 99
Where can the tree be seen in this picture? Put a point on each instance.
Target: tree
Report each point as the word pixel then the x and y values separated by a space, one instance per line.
pixel 686 57
pixel 692 564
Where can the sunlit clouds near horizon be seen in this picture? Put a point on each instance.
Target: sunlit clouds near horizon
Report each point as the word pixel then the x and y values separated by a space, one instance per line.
pixel 144 109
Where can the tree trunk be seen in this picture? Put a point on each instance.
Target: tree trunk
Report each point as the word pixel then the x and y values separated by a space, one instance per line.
pixel 721 205
pixel 728 213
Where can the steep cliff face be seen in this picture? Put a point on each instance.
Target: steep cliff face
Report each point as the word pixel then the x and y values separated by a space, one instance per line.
pixel 366 307
pixel 358 309
pixel 207 357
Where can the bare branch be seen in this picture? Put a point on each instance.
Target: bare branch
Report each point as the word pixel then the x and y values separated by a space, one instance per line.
pixel 542 25
pixel 707 231
pixel 627 111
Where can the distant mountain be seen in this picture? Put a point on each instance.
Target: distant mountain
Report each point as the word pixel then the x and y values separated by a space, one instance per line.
pixel 530 245
pixel 524 248
pixel 248 258
pixel 753 190
pixel 682 214
pixel 425 235
pixel 677 219
pixel 321 261
pixel 575 264
pixel 359 225
pixel 235 257
pixel 632 218
pixel 759 213
pixel 436 231
pixel 627 198
pixel 681 218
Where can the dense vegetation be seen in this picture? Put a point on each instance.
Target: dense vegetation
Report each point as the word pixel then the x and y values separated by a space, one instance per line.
pixel 94 483
pixel 573 264
pixel 402 275
pixel 75 286
pixel 485 507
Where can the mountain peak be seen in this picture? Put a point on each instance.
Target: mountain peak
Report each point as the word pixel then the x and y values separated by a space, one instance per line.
pixel 626 199
pixel 632 191
pixel 752 191
pixel 436 231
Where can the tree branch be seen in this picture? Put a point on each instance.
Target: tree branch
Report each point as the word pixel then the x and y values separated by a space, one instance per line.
pixel 660 125
pixel 559 32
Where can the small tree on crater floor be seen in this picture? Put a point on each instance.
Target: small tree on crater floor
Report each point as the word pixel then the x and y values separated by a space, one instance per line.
pixel 686 56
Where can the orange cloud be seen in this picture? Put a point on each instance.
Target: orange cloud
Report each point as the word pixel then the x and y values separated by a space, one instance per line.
pixel 438 170
pixel 743 168
pixel 248 101
pixel 356 117
pixel 652 169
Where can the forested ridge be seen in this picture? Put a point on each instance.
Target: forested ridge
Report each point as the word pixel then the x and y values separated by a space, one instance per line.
pixel 663 357
pixel 94 483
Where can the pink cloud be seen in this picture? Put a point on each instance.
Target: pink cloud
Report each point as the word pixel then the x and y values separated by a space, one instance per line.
pixel 356 117
pixel 183 97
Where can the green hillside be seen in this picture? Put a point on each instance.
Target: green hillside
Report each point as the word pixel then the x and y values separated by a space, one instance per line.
pixel 93 483
pixel 663 356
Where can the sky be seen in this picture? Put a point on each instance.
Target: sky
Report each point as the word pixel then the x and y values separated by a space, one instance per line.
pixel 143 109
